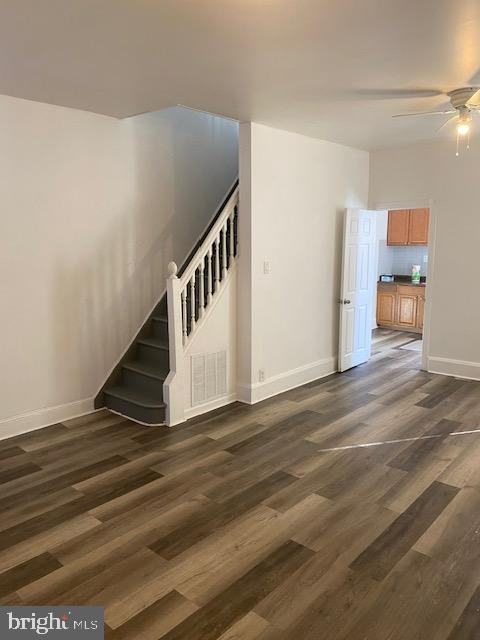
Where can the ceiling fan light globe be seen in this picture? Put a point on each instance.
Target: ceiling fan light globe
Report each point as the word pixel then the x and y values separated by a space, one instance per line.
pixel 463 128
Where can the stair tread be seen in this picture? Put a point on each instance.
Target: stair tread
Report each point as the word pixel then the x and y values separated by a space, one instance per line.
pixel 154 342
pixel 160 319
pixel 134 396
pixel 146 369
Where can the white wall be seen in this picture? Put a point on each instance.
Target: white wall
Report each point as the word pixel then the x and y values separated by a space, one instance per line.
pixel 430 174
pixel 385 255
pixel 93 209
pixel 291 218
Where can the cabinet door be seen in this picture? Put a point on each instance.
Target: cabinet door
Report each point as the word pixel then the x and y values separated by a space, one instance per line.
pixel 420 312
pixel 385 308
pixel 418 226
pixel 398 225
pixel 406 310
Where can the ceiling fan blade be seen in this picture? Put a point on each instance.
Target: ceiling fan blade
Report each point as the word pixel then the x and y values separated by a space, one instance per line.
pixel 446 124
pixel 475 79
pixel 425 113
pixel 474 101
pixel 397 94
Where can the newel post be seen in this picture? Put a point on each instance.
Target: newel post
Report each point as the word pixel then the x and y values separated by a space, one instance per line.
pixel 174 385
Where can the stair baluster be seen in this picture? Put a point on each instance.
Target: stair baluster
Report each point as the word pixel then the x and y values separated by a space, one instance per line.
pixel 201 293
pixel 209 276
pixel 192 303
pixel 217 262
pixel 224 251
pixel 232 237
pixel 184 315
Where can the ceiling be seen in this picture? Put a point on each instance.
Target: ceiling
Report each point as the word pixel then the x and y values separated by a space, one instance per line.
pixel 310 66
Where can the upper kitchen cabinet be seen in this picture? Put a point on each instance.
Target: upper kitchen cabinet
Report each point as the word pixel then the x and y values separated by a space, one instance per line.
pixel 418 226
pixel 408 227
pixel 398 224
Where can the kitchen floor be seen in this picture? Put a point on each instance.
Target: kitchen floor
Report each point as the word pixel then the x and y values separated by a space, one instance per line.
pixel 384 340
pixel 345 509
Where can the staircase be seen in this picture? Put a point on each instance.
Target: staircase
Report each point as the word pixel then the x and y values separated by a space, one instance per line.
pixel 135 388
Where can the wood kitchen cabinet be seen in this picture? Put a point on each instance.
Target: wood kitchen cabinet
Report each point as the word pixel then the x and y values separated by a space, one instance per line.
pixel 398 224
pixel 386 304
pixel 406 310
pixel 418 226
pixel 400 307
pixel 408 227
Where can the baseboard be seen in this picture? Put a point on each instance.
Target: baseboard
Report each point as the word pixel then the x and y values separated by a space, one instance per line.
pixel 16 425
pixel 457 368
pixel 253 393
pixel 205 407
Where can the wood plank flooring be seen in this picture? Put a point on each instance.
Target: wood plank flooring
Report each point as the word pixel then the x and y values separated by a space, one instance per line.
pixel 264 522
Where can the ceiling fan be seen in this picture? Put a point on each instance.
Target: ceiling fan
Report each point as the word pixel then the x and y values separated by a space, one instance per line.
pixel 464 102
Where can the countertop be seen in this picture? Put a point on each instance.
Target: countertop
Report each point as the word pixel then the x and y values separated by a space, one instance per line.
pixel 405 281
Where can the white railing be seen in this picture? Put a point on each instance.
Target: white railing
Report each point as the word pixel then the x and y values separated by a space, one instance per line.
pixel 190 295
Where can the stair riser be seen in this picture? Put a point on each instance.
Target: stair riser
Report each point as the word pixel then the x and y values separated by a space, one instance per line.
pixel 142 414
pixel 161 308
pixel 160 330
pixel 150 386
pixel 153 356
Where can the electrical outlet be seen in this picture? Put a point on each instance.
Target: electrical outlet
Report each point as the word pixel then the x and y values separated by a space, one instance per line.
pixel 425 259
pixel 266 268
pixel 261 375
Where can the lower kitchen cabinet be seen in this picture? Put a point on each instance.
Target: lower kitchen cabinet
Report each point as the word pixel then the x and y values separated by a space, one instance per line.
pixel 386 303
pixel 406 310
pixel 400 306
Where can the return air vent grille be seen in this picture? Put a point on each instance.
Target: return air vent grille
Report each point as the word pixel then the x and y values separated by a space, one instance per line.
pixel 209 376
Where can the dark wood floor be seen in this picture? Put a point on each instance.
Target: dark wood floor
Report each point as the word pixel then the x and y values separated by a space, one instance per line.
pixel 254 523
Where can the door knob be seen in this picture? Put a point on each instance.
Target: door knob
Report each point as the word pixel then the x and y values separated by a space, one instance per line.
pixel 344 301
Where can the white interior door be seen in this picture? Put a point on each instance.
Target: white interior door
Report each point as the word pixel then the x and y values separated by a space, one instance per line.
pixel 357 288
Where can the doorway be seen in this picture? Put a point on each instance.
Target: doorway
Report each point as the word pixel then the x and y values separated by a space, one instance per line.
pixel 395 253
pixel 402 253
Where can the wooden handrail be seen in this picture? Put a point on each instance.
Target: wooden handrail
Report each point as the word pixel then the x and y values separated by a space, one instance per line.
pixel 208 242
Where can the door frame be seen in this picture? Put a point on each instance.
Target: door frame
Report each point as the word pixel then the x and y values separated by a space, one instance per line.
pixel 432 244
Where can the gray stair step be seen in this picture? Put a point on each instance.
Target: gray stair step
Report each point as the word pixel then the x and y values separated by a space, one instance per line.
pixel 135 404
pixel 153 352
pixel 156 343
pixel 144 376
pixel 135 397
pixel 161 309
pixel 160 328
pixel 145 369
